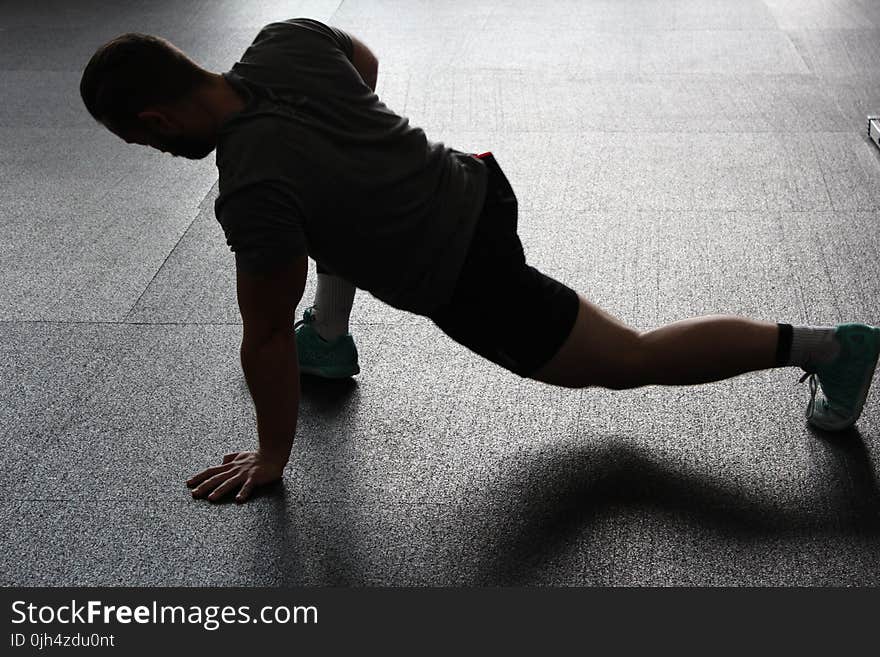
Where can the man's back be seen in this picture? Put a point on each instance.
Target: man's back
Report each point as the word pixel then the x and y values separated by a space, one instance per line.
pixel 316 164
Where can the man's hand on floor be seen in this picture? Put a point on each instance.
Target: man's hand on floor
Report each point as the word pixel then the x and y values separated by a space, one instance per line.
pixel 240 471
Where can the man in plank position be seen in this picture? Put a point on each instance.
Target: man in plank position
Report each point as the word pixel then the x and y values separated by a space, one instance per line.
pixel 312 163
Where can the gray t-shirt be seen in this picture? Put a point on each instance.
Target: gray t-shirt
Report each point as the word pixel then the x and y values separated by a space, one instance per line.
pixel 316 164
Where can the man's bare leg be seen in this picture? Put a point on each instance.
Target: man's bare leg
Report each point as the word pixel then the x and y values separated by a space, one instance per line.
pixel 603 351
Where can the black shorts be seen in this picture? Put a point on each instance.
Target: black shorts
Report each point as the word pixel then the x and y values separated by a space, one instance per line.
pixel 502 308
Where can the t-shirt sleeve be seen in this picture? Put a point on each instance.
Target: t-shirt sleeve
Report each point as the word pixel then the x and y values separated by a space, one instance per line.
pixel 263 226
pixel 340 38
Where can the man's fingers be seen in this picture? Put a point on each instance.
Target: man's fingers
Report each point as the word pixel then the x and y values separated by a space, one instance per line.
pixel 225 487
pixel 210 484
pixel 245 491
pixel 229 457
pixel 205 474
pixel 210 472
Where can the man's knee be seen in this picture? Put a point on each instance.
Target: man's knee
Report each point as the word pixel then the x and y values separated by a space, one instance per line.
pixel 623 366
pixel 631 367
pixel 600 351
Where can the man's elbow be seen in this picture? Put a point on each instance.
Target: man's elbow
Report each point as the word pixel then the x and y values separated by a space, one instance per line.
pixel 369 73
pixel 365 61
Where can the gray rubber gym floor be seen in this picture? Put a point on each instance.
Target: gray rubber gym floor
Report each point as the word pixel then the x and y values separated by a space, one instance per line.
pixel 672 158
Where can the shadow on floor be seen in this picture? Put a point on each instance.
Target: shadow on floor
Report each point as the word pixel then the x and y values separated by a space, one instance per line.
pixel 540 506
pixel 329 392
pixel 531 517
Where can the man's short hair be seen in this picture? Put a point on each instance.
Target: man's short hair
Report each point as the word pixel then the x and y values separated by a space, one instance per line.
pixel 134 71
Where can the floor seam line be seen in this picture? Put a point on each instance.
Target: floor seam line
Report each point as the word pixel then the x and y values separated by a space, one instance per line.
pixel 169 254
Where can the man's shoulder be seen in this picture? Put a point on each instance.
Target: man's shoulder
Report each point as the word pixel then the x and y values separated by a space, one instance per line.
pixel 262 139
pixel 306 28
pixel 261 156
pixel 254 126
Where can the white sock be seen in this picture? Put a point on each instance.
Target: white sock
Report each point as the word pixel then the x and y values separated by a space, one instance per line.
pixel 811 345
pixel 333 300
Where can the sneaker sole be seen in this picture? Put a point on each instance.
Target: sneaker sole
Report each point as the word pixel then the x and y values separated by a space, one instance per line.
pixel 330 372
pixel 863 396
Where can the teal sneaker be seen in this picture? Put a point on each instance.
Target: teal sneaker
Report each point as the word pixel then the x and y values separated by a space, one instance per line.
pixel 845 380
pixel 332 360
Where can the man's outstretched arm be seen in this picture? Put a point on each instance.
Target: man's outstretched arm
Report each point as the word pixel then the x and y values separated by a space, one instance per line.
pixel 269 360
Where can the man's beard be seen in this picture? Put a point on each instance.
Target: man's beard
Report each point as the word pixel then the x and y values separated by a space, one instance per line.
pixel 192 148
